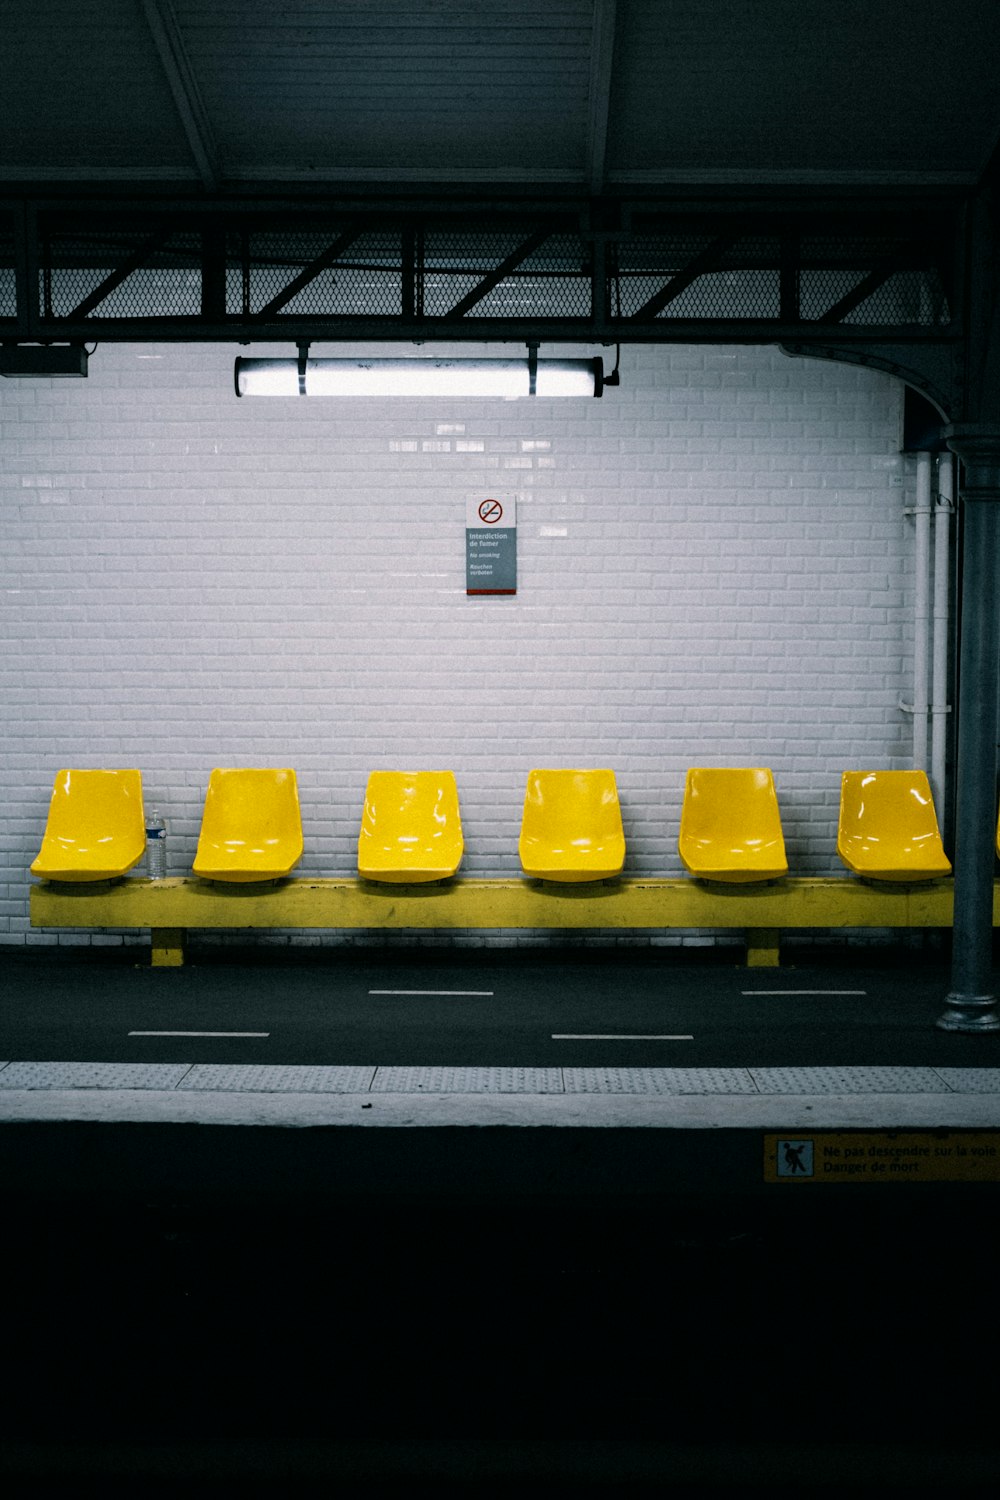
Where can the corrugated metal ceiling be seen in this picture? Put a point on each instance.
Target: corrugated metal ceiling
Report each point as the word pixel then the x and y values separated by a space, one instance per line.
pixel 586 93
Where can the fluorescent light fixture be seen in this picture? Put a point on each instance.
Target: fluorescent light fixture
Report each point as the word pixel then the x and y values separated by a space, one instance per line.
pixel 508 379
pixel 43 361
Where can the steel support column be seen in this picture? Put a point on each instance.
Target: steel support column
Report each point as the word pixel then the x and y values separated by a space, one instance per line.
pixel 971 1004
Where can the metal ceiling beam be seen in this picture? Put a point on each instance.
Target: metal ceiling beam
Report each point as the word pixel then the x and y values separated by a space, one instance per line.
pixel 166 34
pixel 602 48
pixel 707 260
pixel 982 376
pixel 321 263
pixel 935 369
pixel 121 273
pixel 390 328
pixel 24 241
pixel 866 287
pixel 500 273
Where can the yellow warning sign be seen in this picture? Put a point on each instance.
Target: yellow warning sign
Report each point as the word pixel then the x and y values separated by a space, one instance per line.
pixel 883 1156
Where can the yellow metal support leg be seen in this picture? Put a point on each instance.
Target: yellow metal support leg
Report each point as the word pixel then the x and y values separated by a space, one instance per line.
pixel 762 948
pixel 168 947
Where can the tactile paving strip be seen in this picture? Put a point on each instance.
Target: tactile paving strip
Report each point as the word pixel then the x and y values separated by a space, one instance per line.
pixel 402 1080
pixel 263 1079
pixel 971 1080
pixel 92 1075
pixel 658 1081
pixel 348 1079
pixel 849 1081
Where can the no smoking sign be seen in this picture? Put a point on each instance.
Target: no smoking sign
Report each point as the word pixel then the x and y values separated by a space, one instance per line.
pixel 491 544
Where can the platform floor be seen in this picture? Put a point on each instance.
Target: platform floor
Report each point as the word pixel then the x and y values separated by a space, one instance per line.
pixel 479 1036
pixel 493 1222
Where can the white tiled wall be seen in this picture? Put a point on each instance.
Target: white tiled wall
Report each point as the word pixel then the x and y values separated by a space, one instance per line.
pixel 714 568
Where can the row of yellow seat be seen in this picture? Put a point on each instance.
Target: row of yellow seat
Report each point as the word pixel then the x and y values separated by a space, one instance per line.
pixel 571 828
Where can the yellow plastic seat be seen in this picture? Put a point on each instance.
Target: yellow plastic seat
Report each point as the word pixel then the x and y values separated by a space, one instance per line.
pixel 251 826
pixel 731 825
pixel 888 829
pixel 94 829
pixel 411 827
pixel 571 828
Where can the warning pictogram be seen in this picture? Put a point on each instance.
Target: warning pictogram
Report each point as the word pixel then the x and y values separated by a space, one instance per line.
pixel 795 1158
pixel 490 512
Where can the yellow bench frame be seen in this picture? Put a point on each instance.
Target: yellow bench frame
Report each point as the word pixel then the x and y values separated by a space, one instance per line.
pixel 170 908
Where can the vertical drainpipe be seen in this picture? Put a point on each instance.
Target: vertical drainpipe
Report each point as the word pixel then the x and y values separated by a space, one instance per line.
pixel 939 650
pixel 921 610
pixel 971 1004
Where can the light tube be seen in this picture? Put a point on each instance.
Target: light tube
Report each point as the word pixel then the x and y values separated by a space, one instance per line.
pixel 507 379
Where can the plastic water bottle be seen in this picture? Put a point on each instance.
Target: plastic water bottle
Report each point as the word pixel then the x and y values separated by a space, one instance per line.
pixel 156 846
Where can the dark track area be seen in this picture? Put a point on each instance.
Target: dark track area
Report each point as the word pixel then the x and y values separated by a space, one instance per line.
pixel 483 1312
pixel 471 1343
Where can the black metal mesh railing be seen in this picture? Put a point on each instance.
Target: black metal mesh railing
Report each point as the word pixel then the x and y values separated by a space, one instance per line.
pixel 8 273
pixel 337 271
pixel 451 271
pixel 151 271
